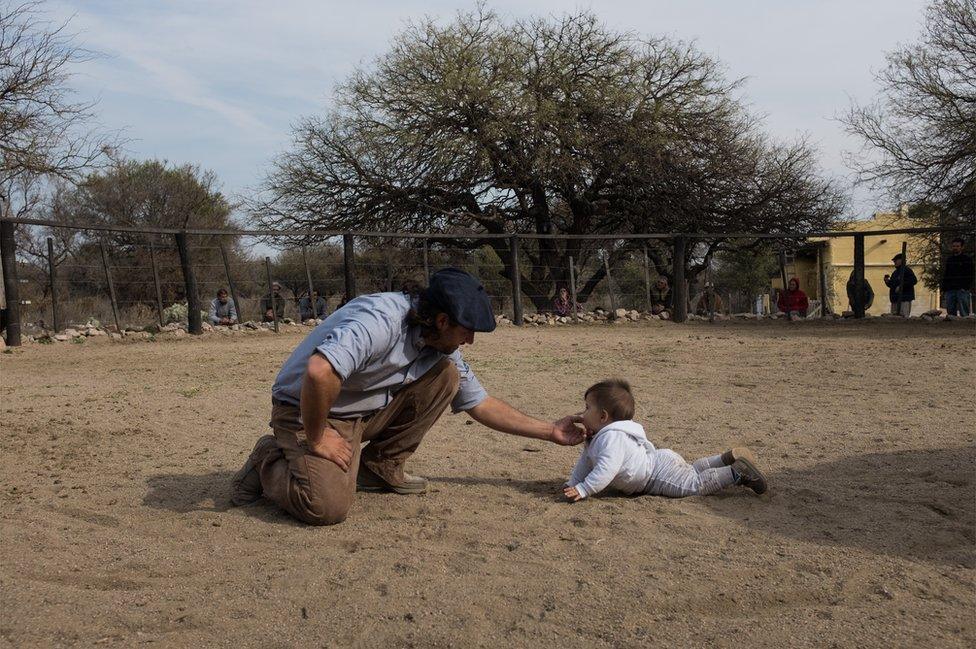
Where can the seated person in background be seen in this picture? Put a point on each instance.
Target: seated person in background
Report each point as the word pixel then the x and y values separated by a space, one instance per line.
pixel 222 310
pixel 867 293
pixel 562 305
pixel 901 292
pixel 793 302
pixel 660 296
pixel 279 304
pixel 702 305
pixel 311 309
pixel 617 454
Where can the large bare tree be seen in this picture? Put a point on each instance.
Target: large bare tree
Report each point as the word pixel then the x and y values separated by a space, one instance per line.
pixel 919 137
pixel 542 126
pixel 45 131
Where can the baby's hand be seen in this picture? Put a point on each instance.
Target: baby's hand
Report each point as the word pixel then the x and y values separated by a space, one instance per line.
pixel 571 494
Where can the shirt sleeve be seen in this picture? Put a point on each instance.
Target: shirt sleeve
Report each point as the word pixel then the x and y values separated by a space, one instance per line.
pixel 352 343
pixel 579 471
pixel 470 393
pixel 212 316
pixel 609 459
pixel 233 311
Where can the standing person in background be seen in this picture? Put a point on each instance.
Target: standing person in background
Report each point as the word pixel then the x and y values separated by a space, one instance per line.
pixel 867 293
pixel 793 301
pixel 278 303
pixel 311 309
pixel 222 310
pixel 958 279
pixel 894 283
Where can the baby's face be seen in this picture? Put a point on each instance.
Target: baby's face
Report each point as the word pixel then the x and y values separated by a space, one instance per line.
pixel 594 418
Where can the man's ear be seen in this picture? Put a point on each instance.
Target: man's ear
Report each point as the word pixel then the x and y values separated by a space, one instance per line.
pixel 441 321
pixel 604 415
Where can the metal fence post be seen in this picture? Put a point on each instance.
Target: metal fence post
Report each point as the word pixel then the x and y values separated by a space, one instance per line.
pixel 230 283
pixel 858 276
pixel 678 275
pixel 308 278
pixel 572 288
pixel 513 243
pixel 194 321
pixel 426 263
pixel 11 283
pixel 159 291
pixel 349 265
pixel 53 274
pixel 274 300
pixel 647 279
pixel 613 299
pixel 111 286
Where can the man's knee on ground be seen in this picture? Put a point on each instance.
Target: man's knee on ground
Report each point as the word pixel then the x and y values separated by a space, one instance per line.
pixel 327 512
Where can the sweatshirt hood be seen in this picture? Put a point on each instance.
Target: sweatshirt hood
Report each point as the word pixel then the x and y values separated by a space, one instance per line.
pixel 632 429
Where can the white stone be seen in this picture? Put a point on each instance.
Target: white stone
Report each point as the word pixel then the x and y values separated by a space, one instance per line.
pixel 71 333
pixel 620 313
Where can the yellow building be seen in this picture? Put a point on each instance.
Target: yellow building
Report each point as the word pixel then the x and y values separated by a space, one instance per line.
pixel 838 262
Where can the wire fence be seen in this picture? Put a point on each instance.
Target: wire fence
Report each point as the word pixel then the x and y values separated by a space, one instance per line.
pixel 136 278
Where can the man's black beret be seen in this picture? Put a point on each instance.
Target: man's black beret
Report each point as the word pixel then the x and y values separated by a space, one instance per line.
pixel 463 298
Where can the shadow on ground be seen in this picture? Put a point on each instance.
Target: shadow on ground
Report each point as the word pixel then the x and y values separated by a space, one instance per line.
pixel 913 504
pixel 544 489
pixel 208 492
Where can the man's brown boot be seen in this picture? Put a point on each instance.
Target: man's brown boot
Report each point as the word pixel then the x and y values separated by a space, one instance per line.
pixel 749 475
pixel 367 480
pixel 246 484
pixel 730 456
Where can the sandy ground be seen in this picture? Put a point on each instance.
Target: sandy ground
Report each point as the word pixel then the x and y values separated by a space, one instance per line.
pixel 116 458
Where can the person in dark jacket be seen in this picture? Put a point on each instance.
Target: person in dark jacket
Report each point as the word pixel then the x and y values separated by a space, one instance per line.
pixel 958 279
pixel 311 309
pixel 867 293
pixel 276 299
pixel 895 284
pixel 793 301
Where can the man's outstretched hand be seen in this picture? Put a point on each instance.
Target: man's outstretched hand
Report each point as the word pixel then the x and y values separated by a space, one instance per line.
pixel 567 431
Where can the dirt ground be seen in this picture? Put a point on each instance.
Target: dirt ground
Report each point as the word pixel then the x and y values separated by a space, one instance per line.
pixel 116 459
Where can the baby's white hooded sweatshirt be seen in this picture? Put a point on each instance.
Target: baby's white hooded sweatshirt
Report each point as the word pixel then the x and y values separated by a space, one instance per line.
pixel 619 455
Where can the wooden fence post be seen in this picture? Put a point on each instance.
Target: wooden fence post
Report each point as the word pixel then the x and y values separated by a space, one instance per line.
pixel 11 283
pixel 349 265
pixel 52 272
pixel 782 272
pixel 613 299
pixel 271 293
pixel 111 286
pixel 572 288
pixel 678 275
pixel 822 267
pixel 647 279
pixel 159 291
pixel 513 243
pixel 426 264
pixel 194 321
pixel 230 283
pixel 858 276
pixel 308 278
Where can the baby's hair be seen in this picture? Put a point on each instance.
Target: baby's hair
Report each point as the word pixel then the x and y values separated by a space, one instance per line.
pixel 614 396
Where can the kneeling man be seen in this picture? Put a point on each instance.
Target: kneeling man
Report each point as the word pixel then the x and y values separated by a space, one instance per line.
pixel 381 370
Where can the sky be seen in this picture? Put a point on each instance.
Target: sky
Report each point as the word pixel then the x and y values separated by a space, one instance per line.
pixel 219 83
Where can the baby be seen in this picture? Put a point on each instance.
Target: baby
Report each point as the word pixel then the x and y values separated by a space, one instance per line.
pixel 617 454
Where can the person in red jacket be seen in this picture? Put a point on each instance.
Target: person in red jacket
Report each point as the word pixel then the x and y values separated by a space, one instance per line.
pixel 793 301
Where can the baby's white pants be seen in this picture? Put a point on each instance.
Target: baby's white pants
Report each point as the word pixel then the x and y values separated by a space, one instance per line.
pixel 675 478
